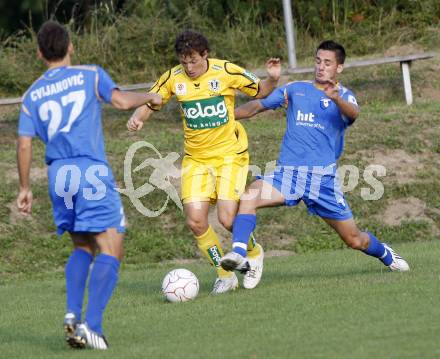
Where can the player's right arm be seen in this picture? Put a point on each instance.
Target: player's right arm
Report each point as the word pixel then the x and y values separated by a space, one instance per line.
pixel 26 130
pixel 139 116
pixel 161 87
pixel 24 160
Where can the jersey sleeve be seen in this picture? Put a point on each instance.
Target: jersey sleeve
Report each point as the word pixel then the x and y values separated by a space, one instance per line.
pixel 26 126
pixel 349 97
pixel 105 85
pixel 276 98
pixel 163 86
pixel 242 79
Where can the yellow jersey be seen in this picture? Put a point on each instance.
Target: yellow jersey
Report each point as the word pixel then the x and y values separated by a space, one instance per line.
pixel 207 106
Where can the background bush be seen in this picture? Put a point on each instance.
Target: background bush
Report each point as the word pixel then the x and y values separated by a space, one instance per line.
pixel 134 39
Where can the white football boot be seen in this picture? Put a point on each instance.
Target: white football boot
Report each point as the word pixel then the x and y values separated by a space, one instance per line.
pixel 224 285
pixel 87 338
pixel 253 275
pixel 398 264
pixel 234 261
pixel 70 323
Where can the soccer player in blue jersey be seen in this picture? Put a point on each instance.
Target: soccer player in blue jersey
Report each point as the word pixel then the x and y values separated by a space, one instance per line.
pixel 318 113
pixel 63 109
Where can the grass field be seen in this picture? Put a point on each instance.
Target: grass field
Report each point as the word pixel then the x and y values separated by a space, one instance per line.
pixel 332 304
pixel 322 303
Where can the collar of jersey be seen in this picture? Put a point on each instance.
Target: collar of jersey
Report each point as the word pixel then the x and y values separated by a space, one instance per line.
pixel 321 87
pixel 58 69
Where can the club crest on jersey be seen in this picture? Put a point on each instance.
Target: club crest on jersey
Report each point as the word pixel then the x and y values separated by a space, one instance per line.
pixel 214 85
pixel 325 103
pixel 181 88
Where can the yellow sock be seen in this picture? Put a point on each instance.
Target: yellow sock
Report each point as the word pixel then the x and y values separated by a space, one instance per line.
pixel 211 248
pixel 253 250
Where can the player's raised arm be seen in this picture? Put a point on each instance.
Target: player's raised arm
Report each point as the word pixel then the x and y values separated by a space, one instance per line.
pixel 24 159
pixel 273 69
pixel 347 108
pixel 125 100
pixel 249 109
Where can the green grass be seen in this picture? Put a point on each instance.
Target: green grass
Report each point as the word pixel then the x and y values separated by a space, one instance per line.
pixel 332 304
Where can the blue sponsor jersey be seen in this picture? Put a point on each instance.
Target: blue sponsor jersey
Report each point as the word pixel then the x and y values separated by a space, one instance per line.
pixel 315 126
pixel 63 108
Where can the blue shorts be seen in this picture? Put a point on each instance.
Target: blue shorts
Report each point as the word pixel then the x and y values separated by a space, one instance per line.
pixel 84 197
pixel 321 193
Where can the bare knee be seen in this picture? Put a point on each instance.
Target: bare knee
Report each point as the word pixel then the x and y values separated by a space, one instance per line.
pixel 111 242
pixel 226 219
pixel 249 201
pixel 197 225
pixel 355 240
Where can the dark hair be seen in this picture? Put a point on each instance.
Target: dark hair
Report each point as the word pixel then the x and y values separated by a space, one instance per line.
pixel 53 41
pixel 338 49
pixel 189 41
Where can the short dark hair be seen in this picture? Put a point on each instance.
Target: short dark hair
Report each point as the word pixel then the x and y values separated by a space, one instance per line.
pixel 189 41
pixel 338 49
pixel 53 41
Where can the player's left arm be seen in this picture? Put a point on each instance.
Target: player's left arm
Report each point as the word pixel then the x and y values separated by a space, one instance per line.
pixel 249 109
pixel 273 69
pixel 275 100
pixel 24 160
pixel 348 108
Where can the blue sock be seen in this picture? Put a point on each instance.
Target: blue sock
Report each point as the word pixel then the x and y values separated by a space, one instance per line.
pixel 377 249
pixel 77 271
pixel 102 282
pixel 244 225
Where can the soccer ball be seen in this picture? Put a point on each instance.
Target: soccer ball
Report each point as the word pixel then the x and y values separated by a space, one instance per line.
pixel 180 285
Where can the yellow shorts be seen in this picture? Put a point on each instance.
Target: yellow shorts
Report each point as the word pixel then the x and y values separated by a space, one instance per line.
pixel 210 179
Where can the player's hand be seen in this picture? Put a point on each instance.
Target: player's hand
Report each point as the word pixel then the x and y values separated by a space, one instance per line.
pixel 331 90
pixel 24 201
pixel 273 68
pixel 134 123
pixel 155 99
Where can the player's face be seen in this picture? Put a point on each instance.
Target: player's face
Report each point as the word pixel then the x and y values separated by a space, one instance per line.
pixel 195 64
pixel 326 66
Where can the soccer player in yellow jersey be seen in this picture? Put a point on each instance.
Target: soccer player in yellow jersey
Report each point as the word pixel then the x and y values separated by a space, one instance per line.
pixel 215 165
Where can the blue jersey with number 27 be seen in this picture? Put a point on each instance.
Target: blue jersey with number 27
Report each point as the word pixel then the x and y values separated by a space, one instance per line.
pixel 63 108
